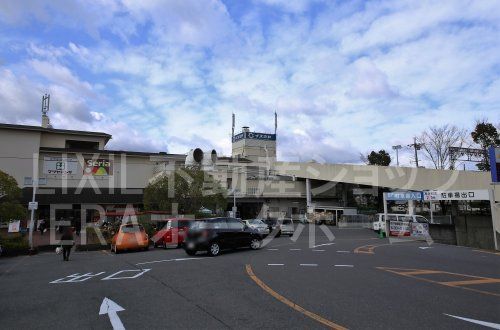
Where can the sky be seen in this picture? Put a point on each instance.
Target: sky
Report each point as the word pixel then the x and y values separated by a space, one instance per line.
pixel 345 77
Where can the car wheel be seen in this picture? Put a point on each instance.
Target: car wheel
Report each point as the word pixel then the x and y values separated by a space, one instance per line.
pixel 191 252
pixel 255 244
pixel 214 249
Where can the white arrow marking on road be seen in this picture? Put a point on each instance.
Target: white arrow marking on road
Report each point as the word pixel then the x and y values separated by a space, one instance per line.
pixel 322 245
pixel 109 307
pixel 483 323
pixel 424 247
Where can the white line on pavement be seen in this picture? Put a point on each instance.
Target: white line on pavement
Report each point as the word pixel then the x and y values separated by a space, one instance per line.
pixel 273 249
pixel 483 323
pixel 322 245
pixel 167 260
pixel 318 250
pixel 275 264
pixel 344 265
pixel 309 265
pixel 342 251
pixel 295 249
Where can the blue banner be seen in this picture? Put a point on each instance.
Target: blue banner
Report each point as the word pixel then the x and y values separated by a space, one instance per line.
pixel 405 196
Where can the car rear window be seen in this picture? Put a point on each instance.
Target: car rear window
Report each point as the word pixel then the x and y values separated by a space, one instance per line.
pixel 132 228
pixel 287 222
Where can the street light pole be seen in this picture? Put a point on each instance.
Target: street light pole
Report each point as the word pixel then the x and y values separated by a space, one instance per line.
pixel 397 152
pixel 32 225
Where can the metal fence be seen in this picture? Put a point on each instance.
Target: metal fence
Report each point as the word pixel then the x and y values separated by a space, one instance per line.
pixel 356 221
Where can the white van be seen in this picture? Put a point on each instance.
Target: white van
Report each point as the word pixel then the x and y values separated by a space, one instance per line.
pixel 287 227
pixel 379 223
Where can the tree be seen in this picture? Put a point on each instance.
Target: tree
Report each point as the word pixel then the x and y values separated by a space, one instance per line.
pixel 10 193
pixel 485 134
pixel 190 188
pixel 381 158
pixel 436 142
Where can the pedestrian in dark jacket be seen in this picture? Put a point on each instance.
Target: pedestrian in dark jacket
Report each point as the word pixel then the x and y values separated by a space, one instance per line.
pixel 67 241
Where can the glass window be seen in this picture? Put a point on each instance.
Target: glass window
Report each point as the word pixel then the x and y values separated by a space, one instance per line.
pixel 287 222
pixel 185 224
pixel 132 228
pixel 234 224
pixel 218 224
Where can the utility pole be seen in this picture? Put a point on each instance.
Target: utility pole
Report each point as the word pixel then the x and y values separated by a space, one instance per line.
pixel 397 152
pixel 416 146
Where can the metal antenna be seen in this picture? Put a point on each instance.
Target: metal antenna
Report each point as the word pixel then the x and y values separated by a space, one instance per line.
pixel 45 110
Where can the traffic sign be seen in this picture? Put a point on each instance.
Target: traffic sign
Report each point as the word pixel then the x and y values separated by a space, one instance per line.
pixel 32 206
pixel 404 196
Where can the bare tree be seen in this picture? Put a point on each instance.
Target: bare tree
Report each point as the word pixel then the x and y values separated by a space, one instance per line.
pixel 436 142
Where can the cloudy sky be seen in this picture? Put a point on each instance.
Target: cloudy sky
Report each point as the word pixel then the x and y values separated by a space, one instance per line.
pixel 344 76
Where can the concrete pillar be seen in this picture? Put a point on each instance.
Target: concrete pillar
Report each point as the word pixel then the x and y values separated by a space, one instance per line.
pixel 308 195
pixel 411 207
pixel 344 194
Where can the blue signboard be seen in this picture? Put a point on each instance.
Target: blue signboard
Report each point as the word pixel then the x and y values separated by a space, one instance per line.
pixel 494 163
pixel 405 196
pixel 254 136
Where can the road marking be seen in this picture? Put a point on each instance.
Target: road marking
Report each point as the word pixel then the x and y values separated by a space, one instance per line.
pixel 365 249
pixel 166 260
pixel 318 250
pixel 75 278
pixel 472 280
pixel 275 264
pixel 322 245
pixel 295 249
pixel 309 265
pixel 342 251
pixel 291 304
pixel 486 251
pixel 344 265
pixel 139 272
pixel 424 247
pixel 111 308
pixel 273 249
pixel 483 323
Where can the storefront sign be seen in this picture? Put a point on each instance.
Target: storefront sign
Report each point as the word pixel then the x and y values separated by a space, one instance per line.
pixel 456 195
pixel 98 167
pixel 404 196
pixel 60 165
pixel 399 228
pixel 254 136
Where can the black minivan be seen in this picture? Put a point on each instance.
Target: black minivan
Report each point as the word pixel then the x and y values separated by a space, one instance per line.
pixel 215 234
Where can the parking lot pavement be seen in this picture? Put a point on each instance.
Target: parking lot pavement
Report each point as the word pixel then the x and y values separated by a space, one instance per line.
pixel 356 281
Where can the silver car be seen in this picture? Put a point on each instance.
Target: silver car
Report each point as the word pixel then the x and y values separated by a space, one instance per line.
pixel 287 227
pixel 258 225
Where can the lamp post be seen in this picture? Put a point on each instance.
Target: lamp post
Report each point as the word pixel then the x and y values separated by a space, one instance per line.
pixel 397 152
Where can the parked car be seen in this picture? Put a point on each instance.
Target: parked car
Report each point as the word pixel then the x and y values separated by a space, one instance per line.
pixel 130 237
pixel 258 225
pixel 273 225
pixel 287 227
pixel 379 223
pixel 216 234
pixel 171 232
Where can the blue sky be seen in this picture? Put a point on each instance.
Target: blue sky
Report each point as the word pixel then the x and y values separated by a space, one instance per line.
pixel 344 76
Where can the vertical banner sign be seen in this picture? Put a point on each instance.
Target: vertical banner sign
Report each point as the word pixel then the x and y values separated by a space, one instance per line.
pixel 98 167
pixel 495 163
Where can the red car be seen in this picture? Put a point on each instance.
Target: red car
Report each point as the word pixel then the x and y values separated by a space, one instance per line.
pixel 172 232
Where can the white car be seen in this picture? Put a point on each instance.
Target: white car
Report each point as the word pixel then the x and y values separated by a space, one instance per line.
pixel 287 227
pixel 258 225
pixel 379 223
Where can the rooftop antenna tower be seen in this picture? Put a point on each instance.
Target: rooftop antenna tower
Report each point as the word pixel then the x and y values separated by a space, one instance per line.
pixel 45 110
pixel 275 122
pixel 232 134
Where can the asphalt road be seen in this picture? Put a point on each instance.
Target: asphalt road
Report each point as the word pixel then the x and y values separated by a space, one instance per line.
pixel 356 281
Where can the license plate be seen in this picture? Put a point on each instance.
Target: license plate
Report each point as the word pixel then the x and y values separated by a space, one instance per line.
pixel 190 245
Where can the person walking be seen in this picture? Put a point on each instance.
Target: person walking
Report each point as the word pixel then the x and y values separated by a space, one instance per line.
pixel 67 241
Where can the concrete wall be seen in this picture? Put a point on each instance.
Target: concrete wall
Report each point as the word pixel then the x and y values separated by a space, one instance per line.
pixel 16 152
pixel 474 231
pixel 444 234
pixel 58 140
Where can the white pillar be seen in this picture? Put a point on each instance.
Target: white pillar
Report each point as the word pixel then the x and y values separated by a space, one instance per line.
pixel 308 195
pixel 411 207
